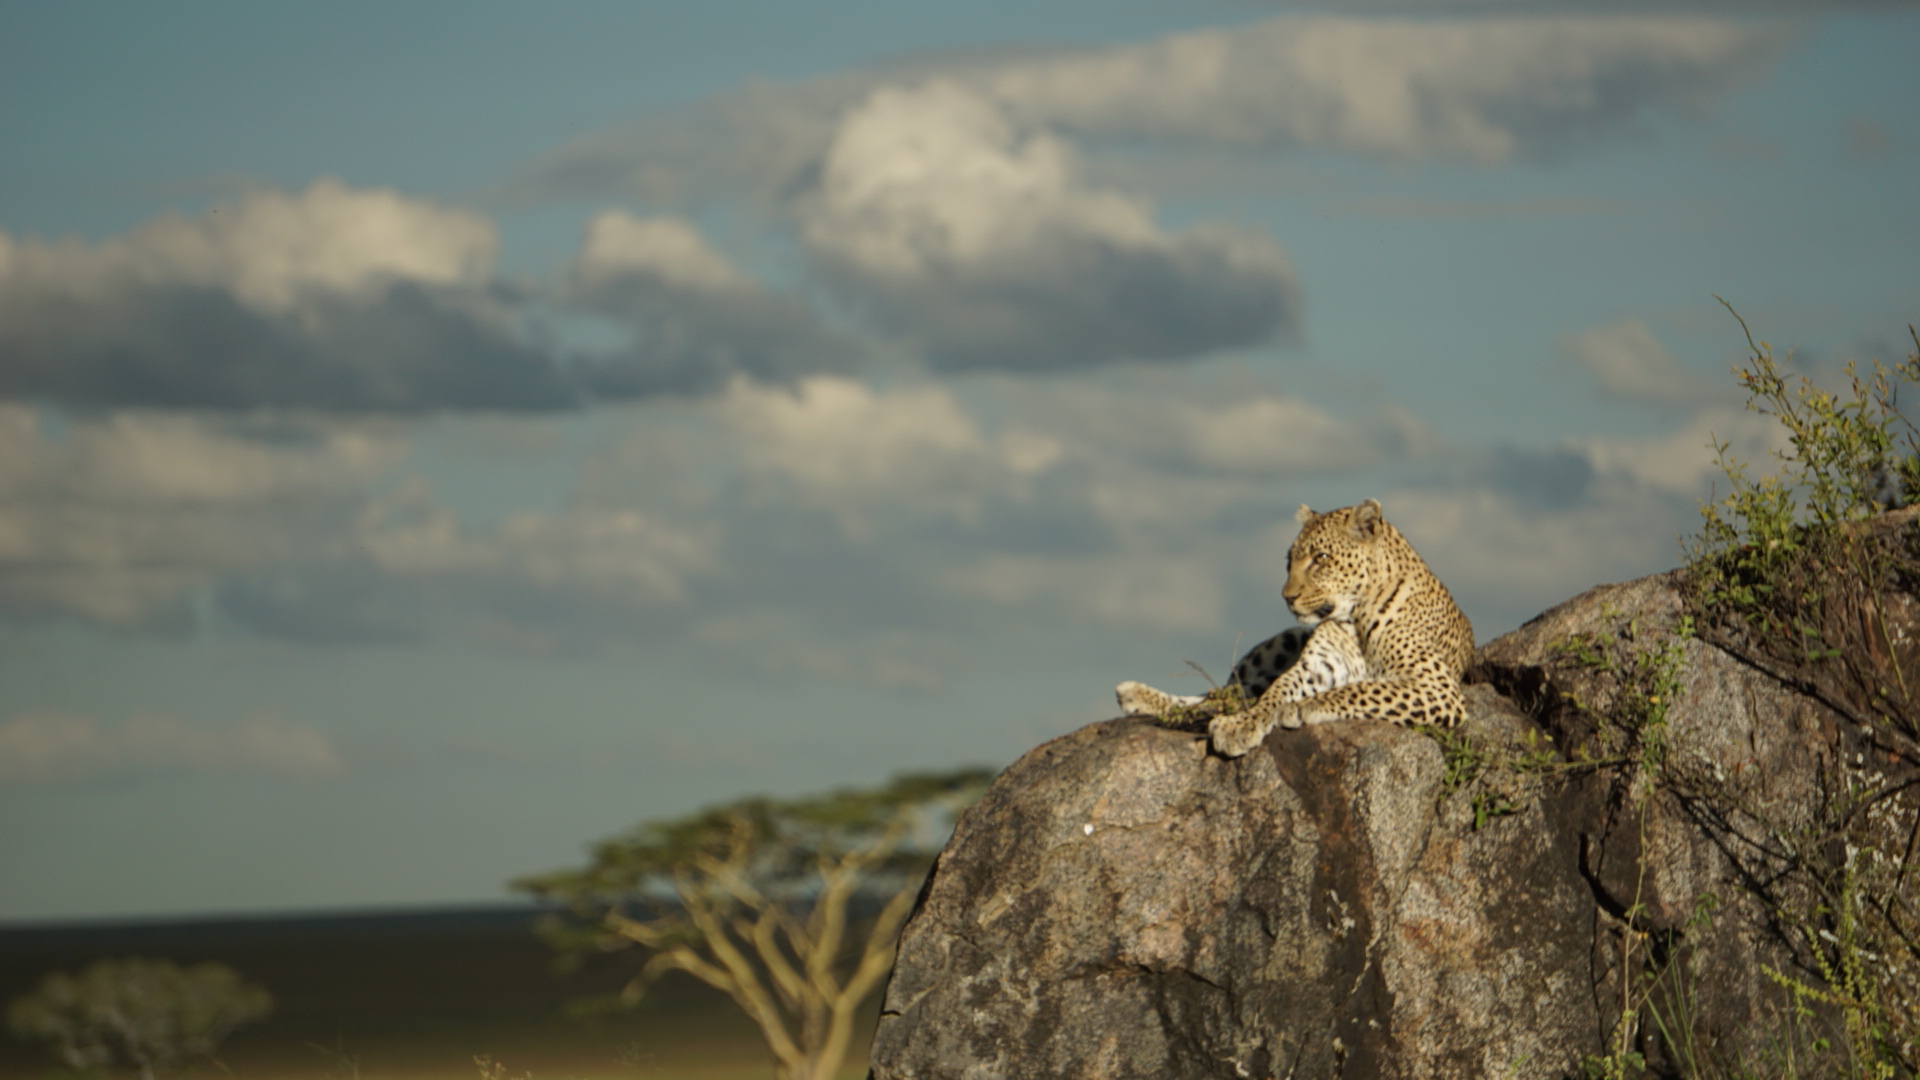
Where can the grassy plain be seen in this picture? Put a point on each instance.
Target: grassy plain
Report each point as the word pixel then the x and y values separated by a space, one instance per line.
pixel 414 996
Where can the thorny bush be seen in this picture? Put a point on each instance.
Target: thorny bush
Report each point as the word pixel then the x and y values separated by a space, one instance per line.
pixel 1811 573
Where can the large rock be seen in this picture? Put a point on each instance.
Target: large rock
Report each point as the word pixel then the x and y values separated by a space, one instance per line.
pixel 1353 901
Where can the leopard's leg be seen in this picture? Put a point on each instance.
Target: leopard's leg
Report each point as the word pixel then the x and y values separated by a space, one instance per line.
pixel 1139 699
pixel 1419 698
pixel 1331 659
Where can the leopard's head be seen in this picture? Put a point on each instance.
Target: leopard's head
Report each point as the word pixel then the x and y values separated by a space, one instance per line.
pixel 1330 563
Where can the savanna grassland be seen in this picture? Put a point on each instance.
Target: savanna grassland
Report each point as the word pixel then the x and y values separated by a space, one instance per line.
pixel 414 996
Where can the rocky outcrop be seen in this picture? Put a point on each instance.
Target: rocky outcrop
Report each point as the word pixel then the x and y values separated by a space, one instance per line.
pixel 1362 900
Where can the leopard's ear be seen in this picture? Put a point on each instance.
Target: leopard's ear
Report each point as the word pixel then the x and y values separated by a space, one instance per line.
pixel 1367 519
pixel 1305 514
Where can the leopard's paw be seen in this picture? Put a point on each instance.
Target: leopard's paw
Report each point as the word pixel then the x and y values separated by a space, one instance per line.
pixel 1138 699
pixel 1236 733
pixel 1290 716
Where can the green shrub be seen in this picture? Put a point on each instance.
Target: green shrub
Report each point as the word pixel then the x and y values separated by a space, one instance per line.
pixel 146 1016
pixel 1805 574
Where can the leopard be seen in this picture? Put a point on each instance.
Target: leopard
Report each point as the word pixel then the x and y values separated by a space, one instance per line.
pixel 1384 639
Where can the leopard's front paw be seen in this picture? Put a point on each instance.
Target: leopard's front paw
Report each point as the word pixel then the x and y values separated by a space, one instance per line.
pixel 1137 699
pixel 1290 715
pixel 1236 733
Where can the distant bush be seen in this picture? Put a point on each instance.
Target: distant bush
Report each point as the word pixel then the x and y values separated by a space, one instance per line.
pixel 144 1016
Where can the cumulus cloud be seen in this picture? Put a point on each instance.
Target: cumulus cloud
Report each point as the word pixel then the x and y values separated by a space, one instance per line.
pixel 696 319
pixel 983 246
pixel 1628 362
pixel 946 200
pixel 58 747
pixel 331 298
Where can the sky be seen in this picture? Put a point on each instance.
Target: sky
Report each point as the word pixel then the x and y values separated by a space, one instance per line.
pixel 436 435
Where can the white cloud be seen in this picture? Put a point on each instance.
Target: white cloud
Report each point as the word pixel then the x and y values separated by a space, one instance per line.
pixel 981 244
pixel 56 747
pixel 117 520
pixel 1630 363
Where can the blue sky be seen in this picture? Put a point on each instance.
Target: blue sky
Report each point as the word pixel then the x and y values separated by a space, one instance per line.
pixel 433 436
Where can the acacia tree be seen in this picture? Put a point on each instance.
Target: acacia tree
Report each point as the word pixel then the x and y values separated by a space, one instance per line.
pixel 143 1015
pixel 791 908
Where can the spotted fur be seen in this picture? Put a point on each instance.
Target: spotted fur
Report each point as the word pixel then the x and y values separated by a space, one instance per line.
pixel 1387 642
